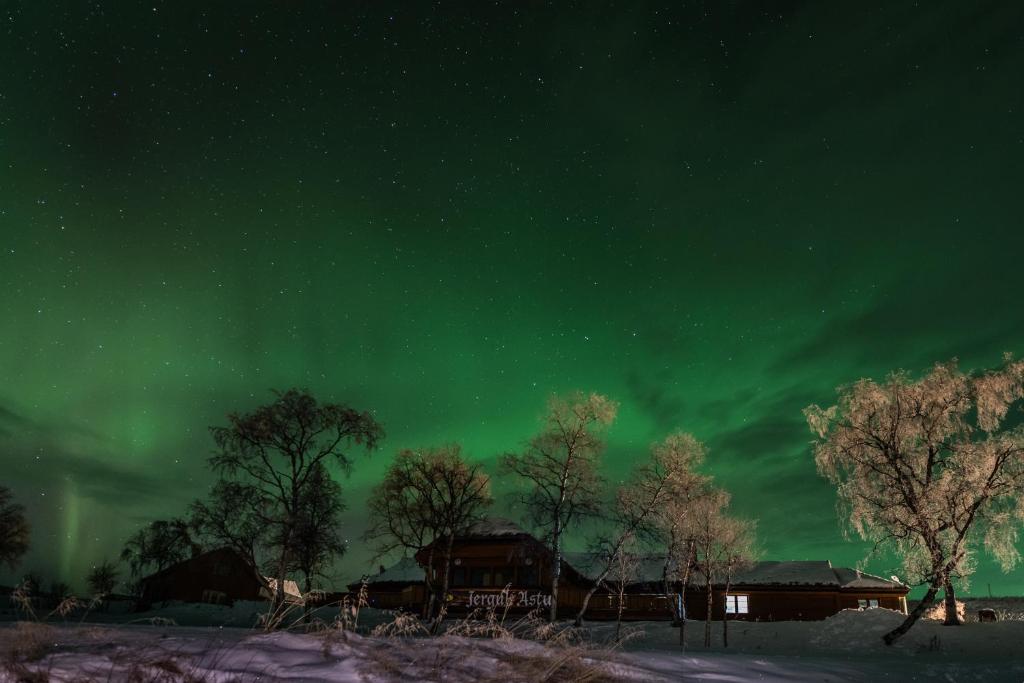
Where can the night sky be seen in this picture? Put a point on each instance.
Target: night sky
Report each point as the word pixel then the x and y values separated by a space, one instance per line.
pixel 714 213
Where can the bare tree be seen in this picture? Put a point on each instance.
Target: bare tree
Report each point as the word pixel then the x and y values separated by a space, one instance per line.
pixel 316 541
pixel 686 553
pixel 427 498
pixel 101 580
pixel 676 537
pixel 236 515
pixel 14 529
pixel 402 517
pixel 277 448
pixel 706 522
pixel 625 566
pixel 927 468
pixel 159 545
pixel 668 475
pixel 734 551
pixel 560 469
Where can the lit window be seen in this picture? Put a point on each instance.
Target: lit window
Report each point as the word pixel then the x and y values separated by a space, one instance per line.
pixel 867 604
pixel 736 604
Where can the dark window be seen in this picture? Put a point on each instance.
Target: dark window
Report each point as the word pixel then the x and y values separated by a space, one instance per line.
pixel 459 576
pixel 476 576
pixel 528 575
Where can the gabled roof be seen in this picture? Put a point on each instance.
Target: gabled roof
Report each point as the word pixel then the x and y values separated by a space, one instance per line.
pixel 267 583
pixel 649 568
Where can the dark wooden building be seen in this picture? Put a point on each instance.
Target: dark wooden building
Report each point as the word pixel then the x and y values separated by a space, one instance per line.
pixel 218 576
pixel 498 562
pixel 400 586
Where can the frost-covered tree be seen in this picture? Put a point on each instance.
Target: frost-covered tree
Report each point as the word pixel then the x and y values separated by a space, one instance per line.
pixel 930 468
pixel 14 529
pixel 625 566
pixel 706 527
pixel 667 477
pixel 427 498
pixel 276 450
pixel 676 538
pixel 734 552
pixel 559 469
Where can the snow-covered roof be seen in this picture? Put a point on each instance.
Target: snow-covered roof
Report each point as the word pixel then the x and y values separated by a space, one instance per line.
pixel 495 527
pixel 854 578
pixel 405 570
pixel 789 573
pixel 291 588
pixel 649 569
pixel 769 573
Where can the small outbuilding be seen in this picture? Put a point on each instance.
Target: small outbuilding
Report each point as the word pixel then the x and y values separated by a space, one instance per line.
pixel 398 586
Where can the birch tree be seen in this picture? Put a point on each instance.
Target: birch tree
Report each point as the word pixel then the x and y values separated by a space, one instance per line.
pixel 236 515
pixel 734 552
pixel 675 534
pixel 427 498
pixel 316 538
pixel 559 469
pixel 705 529
pixel 278 448
pixel 625 565
pixel 667 476
pixel 929 468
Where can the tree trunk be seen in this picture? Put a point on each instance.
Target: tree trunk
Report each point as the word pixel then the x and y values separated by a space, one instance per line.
pixel 684 584
pixel 915 614
pixel 556 572
pixel 282 565
pixel 725 608
pixel 952 617
pixel 306 612
pixel 428 585
pixel 670 604
pixel 590 593
pixel 622 604
pixel 439 616
pixel 707 617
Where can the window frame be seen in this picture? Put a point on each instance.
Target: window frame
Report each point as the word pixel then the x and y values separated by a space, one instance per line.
pixel 732 603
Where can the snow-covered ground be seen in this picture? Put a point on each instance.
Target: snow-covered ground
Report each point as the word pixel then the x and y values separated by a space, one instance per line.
pixel 846 647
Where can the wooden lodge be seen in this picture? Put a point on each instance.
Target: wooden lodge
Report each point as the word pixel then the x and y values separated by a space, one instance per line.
pixel 219 576
pixel 497 561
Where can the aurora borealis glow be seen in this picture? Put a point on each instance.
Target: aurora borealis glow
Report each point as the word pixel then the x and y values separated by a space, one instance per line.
pixel 443 213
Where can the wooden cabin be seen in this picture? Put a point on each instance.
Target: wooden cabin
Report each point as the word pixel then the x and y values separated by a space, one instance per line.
pixel 219 576
pixel 497 563
pixel 400 586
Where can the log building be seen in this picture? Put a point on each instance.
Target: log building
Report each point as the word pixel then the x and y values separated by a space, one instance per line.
pixel 498 562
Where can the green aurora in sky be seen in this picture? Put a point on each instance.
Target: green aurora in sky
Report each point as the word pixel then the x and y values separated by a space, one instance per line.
pixel 713 213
